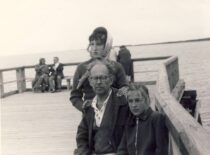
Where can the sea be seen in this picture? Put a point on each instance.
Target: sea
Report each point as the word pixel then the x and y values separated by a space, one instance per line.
pixel 194 63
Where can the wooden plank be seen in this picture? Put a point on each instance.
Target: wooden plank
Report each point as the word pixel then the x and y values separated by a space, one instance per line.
pixel 172 69
pixel 146 82
pixel 10 93
pixel 21 82
pixel 1 85
pixel 178 91
pixel 197 111
pixel 151 58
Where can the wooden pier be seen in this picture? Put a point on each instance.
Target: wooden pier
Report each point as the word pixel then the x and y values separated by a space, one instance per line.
pixel 38 124
pixel 45 123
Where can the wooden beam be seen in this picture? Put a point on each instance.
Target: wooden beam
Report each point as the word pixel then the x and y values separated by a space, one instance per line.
pixel 178 91
pixel 190 137
pixel 10 93
pixel 1 85
pixel 21 82
pixel 151 58
pixel 172 68
pixel 146 82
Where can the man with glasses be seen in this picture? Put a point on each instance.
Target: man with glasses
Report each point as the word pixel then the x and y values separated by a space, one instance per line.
pixel 100 43
pixel 102 125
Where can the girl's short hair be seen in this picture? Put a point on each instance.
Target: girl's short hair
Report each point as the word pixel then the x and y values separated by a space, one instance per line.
pixel 41 60
pixel 99 34
pixel 141 89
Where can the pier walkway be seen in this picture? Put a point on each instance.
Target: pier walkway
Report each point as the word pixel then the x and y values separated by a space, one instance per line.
pixel 38 124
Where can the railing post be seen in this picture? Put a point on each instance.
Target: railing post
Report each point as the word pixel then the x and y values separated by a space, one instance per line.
pixel 21 82
pixel 1 85
pixel 173 72
pixel 132 67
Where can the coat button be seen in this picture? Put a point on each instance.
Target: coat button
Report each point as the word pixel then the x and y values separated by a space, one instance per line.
pixel 110 143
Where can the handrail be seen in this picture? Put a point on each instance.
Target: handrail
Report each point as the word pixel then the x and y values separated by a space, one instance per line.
pixel 32 66
pixel 76 63
pixel 190 137
pixel 151 58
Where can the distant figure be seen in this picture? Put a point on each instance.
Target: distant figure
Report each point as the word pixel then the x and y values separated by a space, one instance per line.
pixel 113 54
pixel 124 58
pixel 41 81
pixel 56 75
pixel 102 125
pixel 100 43
pixel 145 130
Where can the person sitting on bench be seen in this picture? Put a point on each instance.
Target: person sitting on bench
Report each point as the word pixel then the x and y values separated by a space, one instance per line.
pixel 56 75
pixel 41 80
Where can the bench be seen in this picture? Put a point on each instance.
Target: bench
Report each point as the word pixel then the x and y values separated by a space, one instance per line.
pixel 67 78
pixel 68 81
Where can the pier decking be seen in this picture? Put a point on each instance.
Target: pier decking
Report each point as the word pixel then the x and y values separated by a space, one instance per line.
pixel 38 124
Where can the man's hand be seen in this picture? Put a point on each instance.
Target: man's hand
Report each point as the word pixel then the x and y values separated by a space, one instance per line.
pixel 87 103
pixel 122 91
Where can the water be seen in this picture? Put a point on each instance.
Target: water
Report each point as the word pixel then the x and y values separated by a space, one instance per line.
pixel 32 59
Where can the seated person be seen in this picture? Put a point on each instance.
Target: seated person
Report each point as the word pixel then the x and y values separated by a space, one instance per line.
pixel 56 75
pixel 145 131
pixel 102 125
pixel 100 45
pixel 41 80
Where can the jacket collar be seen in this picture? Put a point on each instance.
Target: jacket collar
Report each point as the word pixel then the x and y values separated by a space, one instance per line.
pixel 143 117
pixel 145 114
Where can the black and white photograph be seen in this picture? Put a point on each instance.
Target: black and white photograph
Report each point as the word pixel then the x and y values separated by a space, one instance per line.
pixel 102 77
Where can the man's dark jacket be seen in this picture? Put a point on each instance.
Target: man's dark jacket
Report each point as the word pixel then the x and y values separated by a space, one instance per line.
pixel 58 71
pixel 119 114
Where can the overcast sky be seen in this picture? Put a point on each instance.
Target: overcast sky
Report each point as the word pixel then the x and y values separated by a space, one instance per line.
pixel 56 25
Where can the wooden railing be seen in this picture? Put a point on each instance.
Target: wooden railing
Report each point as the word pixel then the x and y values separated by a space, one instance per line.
pixel 21 77
pixel 187 137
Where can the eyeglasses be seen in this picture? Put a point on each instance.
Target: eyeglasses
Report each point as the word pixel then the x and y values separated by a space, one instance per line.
pixel 96 78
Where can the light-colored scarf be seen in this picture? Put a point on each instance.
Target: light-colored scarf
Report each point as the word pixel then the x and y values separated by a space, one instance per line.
pixel 107 49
